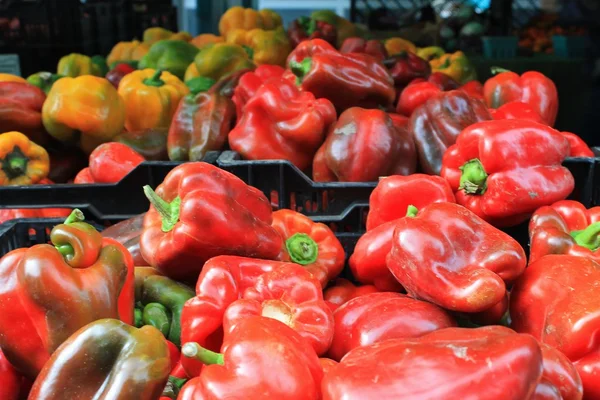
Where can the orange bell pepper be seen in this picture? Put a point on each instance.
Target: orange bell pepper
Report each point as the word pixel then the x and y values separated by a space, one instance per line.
pixel 268 46
pixel 206 38
pixel 127 52
pixel 11 78
pixel 247 19
pixel 23 162
pixel 151 98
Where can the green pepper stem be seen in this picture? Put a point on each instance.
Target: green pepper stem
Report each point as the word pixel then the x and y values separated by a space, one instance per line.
pixel 66 250
pixel 589 237
pixel 498 70
pixel 168 211
pixel 205 356
pixel 155 80
pixel 300 69
pixel 302 249
pixel 412 211
pixel 75 216
pixel 18 165
pixel 473 179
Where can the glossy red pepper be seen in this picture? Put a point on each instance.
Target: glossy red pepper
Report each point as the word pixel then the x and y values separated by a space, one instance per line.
pixel 197 195
pixel 310 244
pixel 119 71
pixel 533 88
pixel 342 291
pixel 21 110
pixel 517 110
pixel 504 170
pixel 489 363
pixel 111 162
pixel 309 48
pixel 415 95
pixel 449 256
pixel 374 48
pixel 473 89
pixel 289 294
pixel 565 227
pixel 250 82
pixel 282 122
pixel 364 145
pixel 128 233
pixel 578 147
pixel 560 375
pixel 443 81
pixel 84 177
pixel 376 317
pixel 556 301
pixel 10 380
pixel 306 28
pixel 252 352
pixel 405 67
pixel 223 280
pixel 327 364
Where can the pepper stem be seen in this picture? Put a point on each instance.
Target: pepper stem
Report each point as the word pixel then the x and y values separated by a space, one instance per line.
pixel 168 211
pixel 302 249
pixel 155 80
pixel 75 216
pixel 205 356
pixel 18 165
pixel 300 69
pixel 66 250
pixel 474 178
pixel 498 70
pixel 589 237
pixel 412 211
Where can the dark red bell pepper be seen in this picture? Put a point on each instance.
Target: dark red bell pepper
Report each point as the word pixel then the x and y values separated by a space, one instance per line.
pixel 347 80
pixel 10 380
pixel 454 363
pixel 559 376
pixel 118 72
pixel 578 148
pixel 250 82
pixel 197 195
pixel 289 294
pixel 449 256
pixel 309 48
pixel 149 143
pixel 362 146
pixel 516 110
pixel 342 291
pixel 282 122
pixel 376 317
pixel 405 67
pixel 565 227
pixel 306 28
pixel 415 95
pixel 252 352
pixel 473 89
pixel 374 48
pixel 436 124
pixel 111 162
pixel 556 301
pixel 533 88
pixel 21 110
pixel 504 170
pixel 128 233
pixel 223 280
pixel 443 82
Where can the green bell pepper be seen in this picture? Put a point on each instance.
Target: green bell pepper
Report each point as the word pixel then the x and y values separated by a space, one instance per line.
pixel 170 55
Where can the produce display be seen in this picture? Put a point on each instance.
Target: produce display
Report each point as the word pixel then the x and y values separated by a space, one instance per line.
pixel 216 293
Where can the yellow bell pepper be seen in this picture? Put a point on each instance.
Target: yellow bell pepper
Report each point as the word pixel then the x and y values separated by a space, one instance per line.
pixel 155 34
pixel 86 109
pixel 220 59
pixel 206 38
pixel 23 162
pixel 127 51
pixel 11 78
pixel 151 98
pixel 77 65
pixel 268 47
pixel 456 66
pixel 398 45
pixel 191 72
pixel 248 19
pixel 430 53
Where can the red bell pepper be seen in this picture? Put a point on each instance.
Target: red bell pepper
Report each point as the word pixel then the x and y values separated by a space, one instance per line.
pixel 252 352
pixel 437 123
pixel 111 162
pixel 309 48
pixel 347 80
pixel 197 195
pixel 556 301
pixel 374 48
pixel 455 363
pixel 415 95
pixel 127 232
pixel 281 122
pixel 449 256
pixel 50 291
pixel 559 375
pixel 443 81
pixel 310 244
pixel 405 67
pixel 376 317
pixel 394 194
pixel 327 364
pixel 84 177
pixel 578 147
pixel 8 214
pixel 565 227
pixel 517 110
pixel 532 87
pixel 10 380
pixel 473 89
pixel 342 291
pixel 392 199
pixel 306 28
pixel 504 170
pixel 119 71
pixel 364 145
pixel 250 82
pixel 223 280
pixel 289 294
pixel 21 110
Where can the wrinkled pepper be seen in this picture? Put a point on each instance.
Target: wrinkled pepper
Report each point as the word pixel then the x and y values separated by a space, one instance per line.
pixel 159 304
pixel 310 244
pixel 306 28
pixel 74 65
pixel 406 66
pixel 127 52
pixel 21 110
pixel 485 363
pixel 250 82
pixel 505 170
pixel 292 295
pixel 437 123
pixel 53 290
pixel 362 146
pixel 247 19
pixel 106 359
pixel 149 143
pixel 342 291
pixel 222 281
pixel 43 80
pixel 86 109
pixel 221 59
pixel 376 317
pixel 151 98
pixel 22 161
pixel 118 72
pixel 449 256
pixel 251 352
pixel 192 197
pixel 347 80
pixel 282 122
pixel 455 65
pixel 268 47
pixel 565 227
pixel 555 301
pixel 359 45
pixel 532 87
pixel 111 162
pixel 173 56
